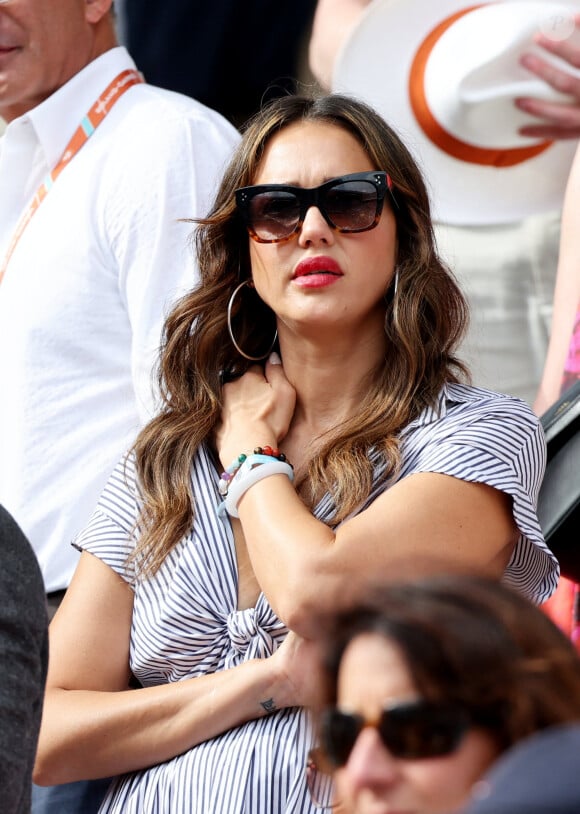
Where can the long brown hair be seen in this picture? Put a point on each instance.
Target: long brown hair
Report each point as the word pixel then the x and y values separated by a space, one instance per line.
pixel 474 642
pixel 424 325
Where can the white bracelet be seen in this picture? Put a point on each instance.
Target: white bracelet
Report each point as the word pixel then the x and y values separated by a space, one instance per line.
pixel 247 475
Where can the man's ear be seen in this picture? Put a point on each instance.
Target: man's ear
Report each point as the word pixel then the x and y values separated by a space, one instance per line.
pixel 95 10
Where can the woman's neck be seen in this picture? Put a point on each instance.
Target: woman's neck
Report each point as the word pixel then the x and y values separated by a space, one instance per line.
pixel 330 379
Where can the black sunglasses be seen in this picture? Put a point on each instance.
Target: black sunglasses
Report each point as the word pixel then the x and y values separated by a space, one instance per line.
pixel 412 731
pixel 274 213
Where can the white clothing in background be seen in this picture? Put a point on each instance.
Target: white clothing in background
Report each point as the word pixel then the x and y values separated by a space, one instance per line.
pixel 508 273
pixel 88 286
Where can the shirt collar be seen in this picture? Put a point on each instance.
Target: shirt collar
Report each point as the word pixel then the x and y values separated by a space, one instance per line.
pixel 451 393
pixel 433 412
pixel 56 119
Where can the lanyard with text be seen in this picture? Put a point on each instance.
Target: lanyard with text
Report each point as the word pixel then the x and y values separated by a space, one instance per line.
pixel 84 131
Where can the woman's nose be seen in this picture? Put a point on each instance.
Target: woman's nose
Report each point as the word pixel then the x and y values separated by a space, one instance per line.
pixel 370 764
pixel 315 228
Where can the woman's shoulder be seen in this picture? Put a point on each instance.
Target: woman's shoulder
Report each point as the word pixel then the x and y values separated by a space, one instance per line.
pixel 471 397
pixel 468 405
pixel 472 417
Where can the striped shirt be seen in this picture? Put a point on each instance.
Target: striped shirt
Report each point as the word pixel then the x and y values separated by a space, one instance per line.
pixel 186 623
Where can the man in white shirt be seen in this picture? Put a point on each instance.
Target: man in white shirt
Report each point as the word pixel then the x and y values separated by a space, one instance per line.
pixel 91 264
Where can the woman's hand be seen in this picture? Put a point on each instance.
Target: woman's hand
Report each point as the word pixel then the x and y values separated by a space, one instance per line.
pixel 299 670
pixel 257 410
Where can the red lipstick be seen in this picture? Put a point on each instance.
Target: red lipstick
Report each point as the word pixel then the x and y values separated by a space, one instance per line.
pixel 314 272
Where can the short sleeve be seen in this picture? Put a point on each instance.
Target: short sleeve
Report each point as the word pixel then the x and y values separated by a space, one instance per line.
pixel 110 532
pixel 499 441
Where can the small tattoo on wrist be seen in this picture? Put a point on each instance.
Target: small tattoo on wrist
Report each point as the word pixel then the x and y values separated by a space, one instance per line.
pixel 269 705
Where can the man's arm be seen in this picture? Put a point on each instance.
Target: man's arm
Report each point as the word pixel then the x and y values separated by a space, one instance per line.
pixel 566 294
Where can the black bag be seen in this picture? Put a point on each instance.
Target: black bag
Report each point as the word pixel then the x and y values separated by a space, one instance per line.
pixel 559 498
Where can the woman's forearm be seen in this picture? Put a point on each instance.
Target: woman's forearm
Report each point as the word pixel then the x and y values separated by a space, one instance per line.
pixel 305 568
pixel 89 734
pixel 566 295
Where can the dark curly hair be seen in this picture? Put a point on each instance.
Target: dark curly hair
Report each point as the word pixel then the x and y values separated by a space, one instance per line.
pixel 474 642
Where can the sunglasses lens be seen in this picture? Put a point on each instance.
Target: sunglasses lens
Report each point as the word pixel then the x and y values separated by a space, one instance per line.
pixel 422 730
pixel 352 205
pixel 338 734
pixel 273 215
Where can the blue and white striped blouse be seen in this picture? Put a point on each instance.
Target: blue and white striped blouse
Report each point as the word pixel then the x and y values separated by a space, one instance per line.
pixel 185 622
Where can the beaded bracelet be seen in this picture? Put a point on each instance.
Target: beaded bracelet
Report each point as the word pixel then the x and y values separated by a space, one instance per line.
pixel 247 470
pixel 228 474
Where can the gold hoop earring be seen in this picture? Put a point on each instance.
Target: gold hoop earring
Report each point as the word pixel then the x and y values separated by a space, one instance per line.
pixel 231 332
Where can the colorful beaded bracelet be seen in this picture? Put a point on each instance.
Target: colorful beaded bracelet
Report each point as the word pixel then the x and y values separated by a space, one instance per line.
pixel 228 474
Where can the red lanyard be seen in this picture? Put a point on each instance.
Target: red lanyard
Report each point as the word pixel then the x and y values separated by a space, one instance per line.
pixel 89 123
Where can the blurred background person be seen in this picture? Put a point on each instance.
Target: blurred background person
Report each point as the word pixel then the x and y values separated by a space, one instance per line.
pixel 23 663
pixel 428 682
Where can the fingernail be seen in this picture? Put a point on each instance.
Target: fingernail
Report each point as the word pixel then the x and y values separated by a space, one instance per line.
pixel 274 359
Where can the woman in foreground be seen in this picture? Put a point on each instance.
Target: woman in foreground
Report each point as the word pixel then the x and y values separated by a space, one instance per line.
pixel 427 685
pixel 314 431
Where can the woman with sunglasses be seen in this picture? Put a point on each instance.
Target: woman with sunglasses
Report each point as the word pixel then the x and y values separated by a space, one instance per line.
pixel 426 685
pixel 314 428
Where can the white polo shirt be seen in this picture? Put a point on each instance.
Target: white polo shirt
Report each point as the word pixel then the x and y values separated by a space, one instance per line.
pixel 86 290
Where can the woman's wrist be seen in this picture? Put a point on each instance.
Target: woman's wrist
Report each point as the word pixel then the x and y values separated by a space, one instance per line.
pixel 273 690
pixel 278 691
pixel 231 448
pixel 247 470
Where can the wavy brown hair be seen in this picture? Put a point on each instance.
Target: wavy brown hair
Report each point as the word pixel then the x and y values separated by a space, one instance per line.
pixel 471 641
pixel 424 325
